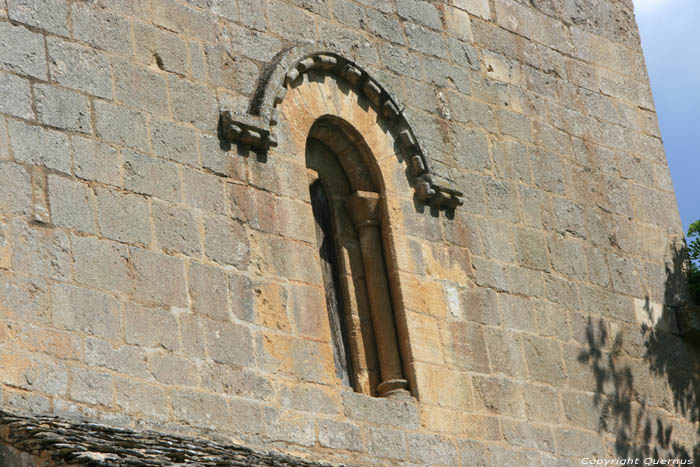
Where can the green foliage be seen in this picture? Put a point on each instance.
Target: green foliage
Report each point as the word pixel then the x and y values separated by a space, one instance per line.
pixel 694 254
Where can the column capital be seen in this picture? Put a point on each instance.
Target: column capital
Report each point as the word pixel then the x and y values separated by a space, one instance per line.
pixel 364 208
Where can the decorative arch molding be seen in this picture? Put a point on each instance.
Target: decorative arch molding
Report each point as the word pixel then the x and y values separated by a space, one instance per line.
pixel 257 128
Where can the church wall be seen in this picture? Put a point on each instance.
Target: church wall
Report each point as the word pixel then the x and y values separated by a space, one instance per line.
pixel 156 277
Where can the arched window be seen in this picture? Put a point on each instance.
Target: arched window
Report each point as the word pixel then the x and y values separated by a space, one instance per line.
pixel 365 164
pixel 347 211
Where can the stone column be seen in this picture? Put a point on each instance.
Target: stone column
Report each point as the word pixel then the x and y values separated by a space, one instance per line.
pixel 364 210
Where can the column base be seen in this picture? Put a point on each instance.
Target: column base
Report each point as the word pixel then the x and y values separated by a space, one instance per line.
pixel 394 389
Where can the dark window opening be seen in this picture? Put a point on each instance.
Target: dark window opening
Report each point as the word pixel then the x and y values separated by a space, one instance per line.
pixel 331 282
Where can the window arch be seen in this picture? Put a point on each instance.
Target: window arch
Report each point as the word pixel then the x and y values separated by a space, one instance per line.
pixel 348 211
pixel 309 98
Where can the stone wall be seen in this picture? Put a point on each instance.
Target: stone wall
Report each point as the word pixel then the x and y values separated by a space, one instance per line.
pixel 154 276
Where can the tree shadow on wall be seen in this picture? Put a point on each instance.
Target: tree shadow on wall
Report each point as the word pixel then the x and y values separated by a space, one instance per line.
pixel 642 374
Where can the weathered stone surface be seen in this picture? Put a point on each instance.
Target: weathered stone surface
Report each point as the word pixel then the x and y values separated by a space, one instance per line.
pixel 152 274
pixel 226 242
pixel 92 387
pixel 175 142
pixel 18 101
pixel 61 108
pixel 158 278
pixel 101 263
pixel 79 67
pixel 193 103
pixel 22 51
pixel 162 48
pixel 40 252
pixel 229 343
pixel 79 309
pixel 101 29
pixel 15 189
pixel 95 161
pixel 50 15
pixel 208 290
pixel 38 146
pixel 140 87
pixel 72 204
pixel 125 359
pixel 122 216
pixel 176 230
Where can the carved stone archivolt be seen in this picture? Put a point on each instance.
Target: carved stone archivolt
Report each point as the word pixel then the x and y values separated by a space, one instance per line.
pixel 257 128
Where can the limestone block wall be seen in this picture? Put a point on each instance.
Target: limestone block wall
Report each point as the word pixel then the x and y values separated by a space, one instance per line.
pixel 154 276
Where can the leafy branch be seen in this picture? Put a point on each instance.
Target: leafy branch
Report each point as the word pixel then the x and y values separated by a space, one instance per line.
pixel 694 254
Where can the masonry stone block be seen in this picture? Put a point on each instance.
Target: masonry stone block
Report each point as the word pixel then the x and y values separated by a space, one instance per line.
pixel 92 387
pixel 176 229
pixel 175 142
pixel 123 216
pixel 505 352
pixel 230 343
pixel 502 200
pixel 498 240
pixel 288 427
pixel 101 263
pixel 192 335
pixel 140 87
pixel 544 360
pixel 288 21
pixel 121 125
pixel 309 398
pixel 51 379
pixel 150 176
pixel 475 7
pixel 237 381
pixel 209 291
pixel 22 51
pixel 26 401
pixel 402 414
pixel 162 48
pixel 38 146
pixel 62 108
pixel 158 278
pixel 96 162
pixel 72 204
pixel 419 12
pixel 50 15
pixel 241 296
pixel 25 299
pixel 204 191
pixel 150 327
pixel 340 435
pixel 349 14
pixel 219 161
pixel 578 443
pixel 141 398
pixel 425 449
pixel 79 67
pixel 173 370
pixel 40 252
pixel 102 29
pixel 384 27
pixel 226 242
pixel 18 100
pixel 181 18
pixel 79 309
pixel 125 359
pixel 625 275
pixel 15 189
pixel 498 395
pixel 193 103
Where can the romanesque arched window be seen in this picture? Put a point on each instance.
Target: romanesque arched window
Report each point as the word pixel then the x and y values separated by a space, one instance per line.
pixel 363 162
pixel 347 210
